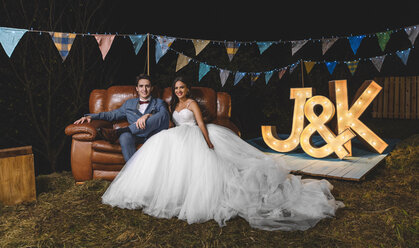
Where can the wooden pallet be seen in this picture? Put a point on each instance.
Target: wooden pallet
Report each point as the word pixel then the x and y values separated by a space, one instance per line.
pixel 399 98
pixel 353 168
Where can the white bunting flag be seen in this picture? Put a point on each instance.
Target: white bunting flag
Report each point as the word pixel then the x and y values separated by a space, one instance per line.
pixel 378 62
pixel 412 33
pixel 223 76
pixel 297 45
pixel 328 43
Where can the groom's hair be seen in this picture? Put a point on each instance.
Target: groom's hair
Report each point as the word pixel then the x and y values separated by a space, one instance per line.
pixel 143 76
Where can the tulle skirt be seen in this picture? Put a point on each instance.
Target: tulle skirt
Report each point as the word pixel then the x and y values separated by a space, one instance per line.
pixel 176 174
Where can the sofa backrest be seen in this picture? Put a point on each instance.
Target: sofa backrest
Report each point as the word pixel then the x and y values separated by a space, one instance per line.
pixel 205 97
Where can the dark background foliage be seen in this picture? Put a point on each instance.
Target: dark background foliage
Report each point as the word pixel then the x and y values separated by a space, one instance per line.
pixel 40 95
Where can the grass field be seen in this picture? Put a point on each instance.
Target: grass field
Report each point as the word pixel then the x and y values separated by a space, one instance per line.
pixel 381 211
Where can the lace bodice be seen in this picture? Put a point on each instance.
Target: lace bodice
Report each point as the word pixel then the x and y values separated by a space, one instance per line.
pixel 184 117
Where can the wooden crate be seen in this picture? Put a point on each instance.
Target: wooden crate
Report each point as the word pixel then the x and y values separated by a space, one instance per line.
pixel 399 98
pixel 17 175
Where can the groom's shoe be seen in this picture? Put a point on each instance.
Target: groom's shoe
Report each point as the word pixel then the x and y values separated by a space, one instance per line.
pixel 109 134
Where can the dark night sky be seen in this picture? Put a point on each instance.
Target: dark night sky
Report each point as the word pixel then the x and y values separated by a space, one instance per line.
pixel 265 20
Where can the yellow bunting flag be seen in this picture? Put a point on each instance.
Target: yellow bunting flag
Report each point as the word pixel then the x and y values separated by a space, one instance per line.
pixel 182 61
pixel 309 65
pixel 199 45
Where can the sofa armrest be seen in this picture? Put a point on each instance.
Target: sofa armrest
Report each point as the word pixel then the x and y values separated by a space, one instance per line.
pixel 86 131
pixel 226 122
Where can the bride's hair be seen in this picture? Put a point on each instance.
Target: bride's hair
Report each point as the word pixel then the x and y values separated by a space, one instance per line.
pixel 174 101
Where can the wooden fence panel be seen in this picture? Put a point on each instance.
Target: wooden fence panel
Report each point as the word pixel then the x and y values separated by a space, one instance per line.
pixel 398 99
pixel 391 98
pixel 402 97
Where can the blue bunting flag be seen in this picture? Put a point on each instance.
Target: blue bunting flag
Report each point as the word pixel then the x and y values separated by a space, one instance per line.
pixel 355 41
pixel 331 66
pixel 9 38
pixel 268 76
pixel 238 76
pixel 403 55
pixel 203 70
pixel 263 46
pixel 137 41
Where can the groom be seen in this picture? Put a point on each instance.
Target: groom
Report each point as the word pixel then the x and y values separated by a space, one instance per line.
pixel 146 116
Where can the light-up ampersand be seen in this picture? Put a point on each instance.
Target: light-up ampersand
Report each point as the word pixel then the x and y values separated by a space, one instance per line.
pixel 349 118
pixel 269 132
pixel 317 123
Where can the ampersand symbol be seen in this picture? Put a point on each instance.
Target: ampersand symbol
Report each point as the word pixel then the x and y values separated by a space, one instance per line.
pixel 317 123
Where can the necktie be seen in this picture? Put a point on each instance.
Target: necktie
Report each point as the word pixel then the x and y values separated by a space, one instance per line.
pixel 141 102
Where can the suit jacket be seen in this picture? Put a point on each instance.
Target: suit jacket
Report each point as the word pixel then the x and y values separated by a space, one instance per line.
pixel 158 121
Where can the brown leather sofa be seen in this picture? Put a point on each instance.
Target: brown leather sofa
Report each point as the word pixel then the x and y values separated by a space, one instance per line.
pixel 93 158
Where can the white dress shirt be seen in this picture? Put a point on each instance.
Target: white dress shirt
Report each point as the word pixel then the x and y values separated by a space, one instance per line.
pixel 143 107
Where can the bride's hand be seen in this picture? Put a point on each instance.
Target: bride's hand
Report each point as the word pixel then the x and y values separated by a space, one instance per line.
pixel 210 145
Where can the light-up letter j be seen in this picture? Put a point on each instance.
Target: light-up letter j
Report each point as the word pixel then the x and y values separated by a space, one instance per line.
pixel 269 132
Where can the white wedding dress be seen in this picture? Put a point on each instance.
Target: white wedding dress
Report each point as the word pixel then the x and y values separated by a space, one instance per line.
pixel 175 174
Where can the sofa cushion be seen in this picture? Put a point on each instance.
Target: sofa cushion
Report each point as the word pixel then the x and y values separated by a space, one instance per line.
pixel 105 146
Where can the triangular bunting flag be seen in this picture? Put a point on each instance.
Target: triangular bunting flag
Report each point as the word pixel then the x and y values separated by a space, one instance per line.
pixel 383 38
pixel 309 65
pixel 355 41
pixel 232 48
pixel 63 42
pixel 238 76
pixel 162 45
pixel 182 61
pixel 297 45
pixel 105 42
pixel 263 46
pixel 137 41
pixel 292 67
pixel 268 76
pixel 203 70
pixel 331 66
pixel 412 33
pixel 378 62
pixel 328 43
pixel 223 76
pixel 281 72
pixel 199 45
pixel 352 65
pixel 403 55
pixel 253 77
pixel 9 38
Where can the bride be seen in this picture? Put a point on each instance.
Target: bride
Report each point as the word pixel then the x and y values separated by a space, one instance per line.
pixel 198 172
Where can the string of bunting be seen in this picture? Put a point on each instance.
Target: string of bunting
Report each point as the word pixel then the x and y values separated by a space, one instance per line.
pixel 204 67
pixel 10 37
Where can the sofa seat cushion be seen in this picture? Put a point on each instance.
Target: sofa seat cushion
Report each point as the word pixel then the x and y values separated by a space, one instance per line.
pixel 105 146
pixel 107 167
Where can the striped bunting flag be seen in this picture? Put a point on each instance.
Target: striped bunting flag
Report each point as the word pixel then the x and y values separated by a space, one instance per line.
pixel 352 65
pixel 232 48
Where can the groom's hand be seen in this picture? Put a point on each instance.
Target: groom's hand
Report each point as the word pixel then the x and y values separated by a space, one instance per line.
pixel 83 119
pixel 140 123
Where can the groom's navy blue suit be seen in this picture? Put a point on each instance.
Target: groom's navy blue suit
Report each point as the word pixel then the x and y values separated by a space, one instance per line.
pixel 159 120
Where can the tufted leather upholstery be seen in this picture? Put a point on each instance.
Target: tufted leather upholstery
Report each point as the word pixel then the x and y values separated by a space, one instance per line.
pixel 92 158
